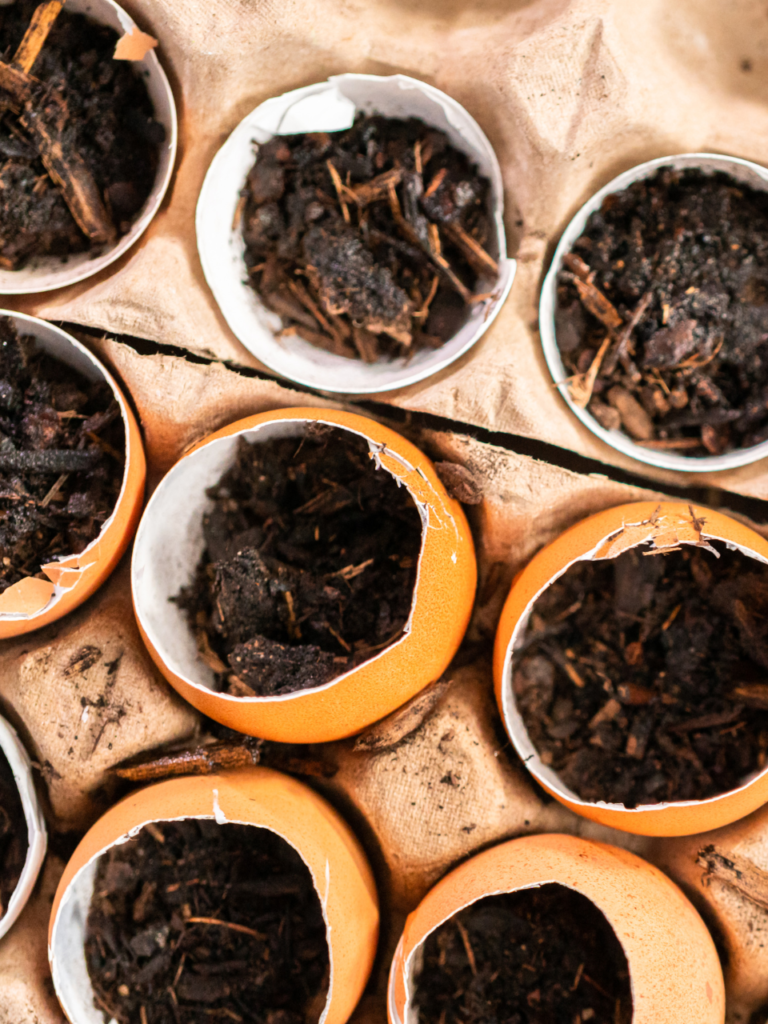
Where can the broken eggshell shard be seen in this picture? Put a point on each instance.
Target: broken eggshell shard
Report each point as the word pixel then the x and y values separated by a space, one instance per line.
pixel 45 273
pixel 253 796
pixel 169 543
pixel 674 970
pixel 665 526
pixel 741 171
pixel 332 106
pixel 37 836
pixel 32 603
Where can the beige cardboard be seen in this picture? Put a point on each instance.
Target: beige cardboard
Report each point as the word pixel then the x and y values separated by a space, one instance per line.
pixel 571 93
pixel 85 695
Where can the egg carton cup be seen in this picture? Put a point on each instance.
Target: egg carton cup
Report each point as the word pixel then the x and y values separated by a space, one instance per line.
pixel 743 171
pixel 327 107
pixel 44 273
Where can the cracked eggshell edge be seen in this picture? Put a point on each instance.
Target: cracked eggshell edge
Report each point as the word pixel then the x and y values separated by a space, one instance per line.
pixel 331 106
pixel 49 272
pixel 675 973
pixel 169 542
pixel 37 834
pixel 742 171
pixel 607 535
pixel 253 796
pixel 32 603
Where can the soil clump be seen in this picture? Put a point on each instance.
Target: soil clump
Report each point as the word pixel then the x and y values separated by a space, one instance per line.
pixel 309 565
pixel 662 313
pixel 372 242
pixel 644 678
pixel 62 457
pixel 194 920
pixel 540 956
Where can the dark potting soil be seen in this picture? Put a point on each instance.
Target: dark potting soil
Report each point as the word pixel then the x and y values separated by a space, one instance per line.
pixel 370 242
pixel 62 445
pixel 645 678
pixel 664 302
pixel 193 921
pixel 309 565
pixel 540 956
pixel 108 123
pixel 14 841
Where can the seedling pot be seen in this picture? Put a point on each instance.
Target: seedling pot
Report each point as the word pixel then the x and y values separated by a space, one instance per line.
pixel 256 796
pixel 660 526
pixel 32 603
pixel 331 106
pixel 674 970
pixel 740 170
pixel 169 542
pixel 44 273
pixel 37 836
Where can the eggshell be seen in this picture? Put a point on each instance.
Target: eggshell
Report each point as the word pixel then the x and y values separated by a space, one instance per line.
pixel 169 543
pixel 740 170
pixel 674 970
pixel 254 796
pixel 37 836
pixel 332 106
pixel 607 535
pixel 32 603
pixel 44 273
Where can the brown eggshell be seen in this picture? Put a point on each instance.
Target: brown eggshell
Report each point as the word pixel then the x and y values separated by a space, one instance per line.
pixel 169 542
pixel 32 603
pixel 254 796
pixel 606 535
pixel 674 970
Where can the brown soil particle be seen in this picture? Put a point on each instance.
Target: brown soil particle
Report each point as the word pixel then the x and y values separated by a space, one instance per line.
pixel 539 956
pixel 62 446
pixel 370 242
pixel 14 841
pixel 643 678
pixel 662 313
pixel 309 566
pixel 193 921
pixel 89 116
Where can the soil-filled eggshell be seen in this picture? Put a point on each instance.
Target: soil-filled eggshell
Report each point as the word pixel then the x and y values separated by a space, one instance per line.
pixel 32 602
pixel 665 525
pixel 169 542
pixel 253 796
pixel 674 971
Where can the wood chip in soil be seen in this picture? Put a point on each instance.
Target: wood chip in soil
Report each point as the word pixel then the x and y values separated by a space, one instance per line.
pixel 309 564
pixel 14 841
pixel 540 955
pixel 371 243
pixel 195 921
pixel 79 144
pixel 662 313
pixel 644 679
pixel 62 457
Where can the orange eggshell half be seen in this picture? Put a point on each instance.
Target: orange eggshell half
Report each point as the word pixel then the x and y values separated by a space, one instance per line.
pixel 443 595
pixel 674 970
pixel 253 796
pixel 607 535
pixel 32 603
